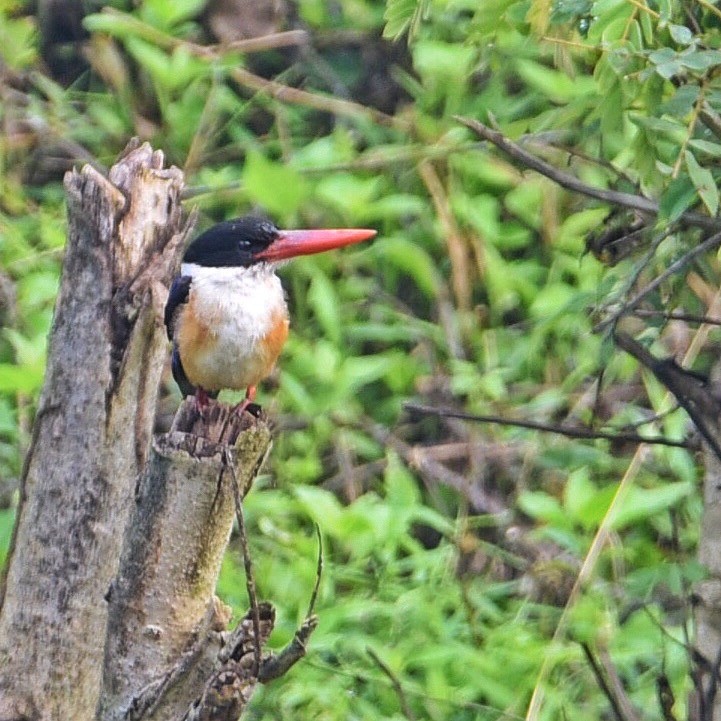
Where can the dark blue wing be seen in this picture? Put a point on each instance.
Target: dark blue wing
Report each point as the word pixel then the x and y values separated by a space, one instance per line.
pixel 178 295
pixel 186 387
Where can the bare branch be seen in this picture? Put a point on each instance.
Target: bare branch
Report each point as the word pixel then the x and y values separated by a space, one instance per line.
pixel 691 392
pixel 247 560
pixel 583 433
pixel 709 244
pixel 677 315
pixel 395 681
pixel 570 182
pixel 278 665
pixel 622 714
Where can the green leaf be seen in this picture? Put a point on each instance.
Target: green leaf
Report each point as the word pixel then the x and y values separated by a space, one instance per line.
pixel 671 129
pixel 17 41
pixel 555 84
pixel 7 521
pixel 166 14
pixel 20 379
pixel 679 196
pixel 321 506
pixel 700 59
pixel 707 147
pixel 351 195
pixel 681 34
pixel 402 15
pixel 278 188
pixel 357 372
pixel 643 503
pixel 578 492
pixel 401 488
pixel 410 258
pixel 704 183
pixel 542 507
pixel 323 297
pixel 443 62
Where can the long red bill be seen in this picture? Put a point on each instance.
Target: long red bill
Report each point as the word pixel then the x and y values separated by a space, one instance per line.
pixel 291 243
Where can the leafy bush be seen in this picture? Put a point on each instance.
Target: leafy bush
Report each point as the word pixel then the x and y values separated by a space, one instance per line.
pixel 451 549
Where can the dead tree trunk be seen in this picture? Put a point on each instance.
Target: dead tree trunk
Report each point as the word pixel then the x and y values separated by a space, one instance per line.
pixel 98 503
pixel 91 434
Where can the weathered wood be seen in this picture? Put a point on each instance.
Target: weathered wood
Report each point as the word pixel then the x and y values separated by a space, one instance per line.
pixel 231 685
pixel 707 705
pixel 164 630
pixel 100 503
pixel 91 434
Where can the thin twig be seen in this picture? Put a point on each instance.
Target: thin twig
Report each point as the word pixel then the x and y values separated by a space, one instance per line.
pixel 709 244
pixel 603 683
pixel 247 560
pixel 395 682
pixel 318 574
pixel 583 433
pixel 574 153
pixel 690 391
pixel 169 42
pixel 616 685
pixel 251 45
pixel 325 103
pixel 676 315
pixel 570 182
pixel 632 279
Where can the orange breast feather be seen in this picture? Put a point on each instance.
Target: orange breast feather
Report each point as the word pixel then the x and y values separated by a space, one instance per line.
pixel 274 340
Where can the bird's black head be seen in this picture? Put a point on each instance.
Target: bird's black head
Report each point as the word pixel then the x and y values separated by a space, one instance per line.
pixel 245 241
pixel 233 243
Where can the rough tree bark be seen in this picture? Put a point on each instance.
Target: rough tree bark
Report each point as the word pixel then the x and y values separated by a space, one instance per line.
pixel 100 502
pixel 91 434
pixel 165 625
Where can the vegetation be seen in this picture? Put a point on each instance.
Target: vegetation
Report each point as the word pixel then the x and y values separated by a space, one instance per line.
pixel 467 565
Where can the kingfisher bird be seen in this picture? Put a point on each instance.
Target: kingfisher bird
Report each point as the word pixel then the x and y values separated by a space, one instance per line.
pixel 226 312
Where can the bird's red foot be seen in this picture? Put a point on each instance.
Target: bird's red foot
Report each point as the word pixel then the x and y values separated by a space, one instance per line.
pixel 245 404
pixel 202 401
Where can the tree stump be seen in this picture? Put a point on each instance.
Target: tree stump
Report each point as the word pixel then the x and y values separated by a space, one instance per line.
pixel 108 607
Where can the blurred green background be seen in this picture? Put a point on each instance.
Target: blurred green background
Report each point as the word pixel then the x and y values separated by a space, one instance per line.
pixel 451 547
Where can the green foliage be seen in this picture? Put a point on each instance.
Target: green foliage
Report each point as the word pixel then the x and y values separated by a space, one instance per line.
pixel 478 293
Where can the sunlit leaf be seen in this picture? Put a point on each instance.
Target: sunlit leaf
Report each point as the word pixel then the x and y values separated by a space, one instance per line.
pixel 277 187
pixel 640 503
pixel 703 181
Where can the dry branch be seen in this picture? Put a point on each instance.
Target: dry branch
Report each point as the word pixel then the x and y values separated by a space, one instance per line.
pixel 571 182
